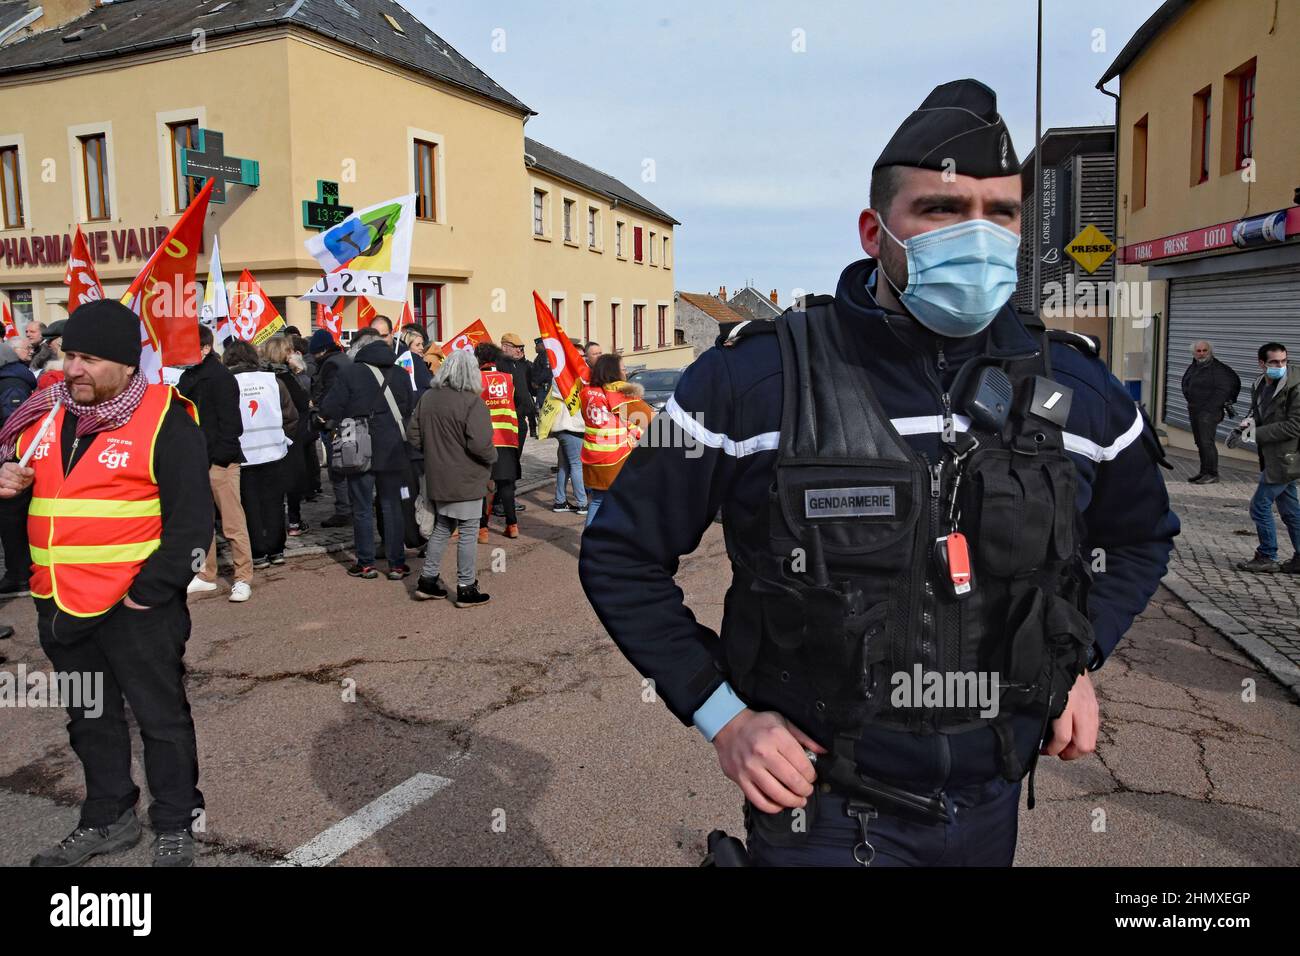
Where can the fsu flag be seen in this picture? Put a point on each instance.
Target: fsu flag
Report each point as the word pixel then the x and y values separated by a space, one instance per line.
pixel 330 321
pixel 81 280
pixel 11 330
pixel 369 253
pixel 254 318
pixel 468 338
pixel 568 367
pixel 165 295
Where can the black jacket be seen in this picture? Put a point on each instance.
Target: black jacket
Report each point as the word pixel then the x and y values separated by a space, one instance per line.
pixel 356 394
pixel 525 407
pixel 181 469
pixel 540 377
pixel 327 370
pixel 215 393
pixel 1208 387
pixel 16 383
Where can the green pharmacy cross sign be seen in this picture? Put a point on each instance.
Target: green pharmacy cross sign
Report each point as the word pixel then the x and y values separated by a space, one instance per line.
pixel 209 161
pixel 325 212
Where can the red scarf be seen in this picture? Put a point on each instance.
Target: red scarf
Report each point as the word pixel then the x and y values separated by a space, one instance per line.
pixel 105 416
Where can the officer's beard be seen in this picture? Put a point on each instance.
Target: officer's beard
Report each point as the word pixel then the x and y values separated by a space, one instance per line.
pixel 892 262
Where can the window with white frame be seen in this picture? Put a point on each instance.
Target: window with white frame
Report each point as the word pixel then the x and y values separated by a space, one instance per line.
pixel 539 212
pixel 593 226
pixel 11 189
pixel 652 248
pixel 618 238
pixel 94 167
pixel 568 220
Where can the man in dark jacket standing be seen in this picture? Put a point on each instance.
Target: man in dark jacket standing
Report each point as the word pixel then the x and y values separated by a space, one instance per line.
pixel 369 387
pixel 514 363
pixel 329 359
pixel 16 383
pixel 1274 425
pixel 215 394
pixel 1209 386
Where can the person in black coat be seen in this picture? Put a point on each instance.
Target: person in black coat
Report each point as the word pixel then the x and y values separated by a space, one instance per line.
pixel 16 383
pixel 512 361
pixel 276 353
pixel 329 360
pixel 1209 386
pixel 215 394
pixel 358 392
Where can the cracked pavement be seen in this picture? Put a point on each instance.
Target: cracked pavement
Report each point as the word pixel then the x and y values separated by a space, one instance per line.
pixel 531 712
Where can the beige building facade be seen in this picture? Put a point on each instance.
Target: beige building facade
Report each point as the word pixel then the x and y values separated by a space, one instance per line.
pixel 1208 195
pixel 93 141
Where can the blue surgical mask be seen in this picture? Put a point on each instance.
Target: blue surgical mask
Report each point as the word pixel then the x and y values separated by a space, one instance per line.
pixel 1275 373
pixel 958 277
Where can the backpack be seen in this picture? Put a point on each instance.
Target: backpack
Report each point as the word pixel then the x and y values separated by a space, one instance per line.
pixel 351 449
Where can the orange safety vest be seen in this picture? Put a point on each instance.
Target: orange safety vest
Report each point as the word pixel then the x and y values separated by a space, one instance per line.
pixel 499 395
pixel 92 529
pixel 607 438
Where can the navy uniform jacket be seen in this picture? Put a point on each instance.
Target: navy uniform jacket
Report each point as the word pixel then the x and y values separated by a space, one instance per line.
pixel 728 406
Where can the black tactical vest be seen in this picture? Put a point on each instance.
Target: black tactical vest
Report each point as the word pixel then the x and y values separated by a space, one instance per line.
pixel 837 586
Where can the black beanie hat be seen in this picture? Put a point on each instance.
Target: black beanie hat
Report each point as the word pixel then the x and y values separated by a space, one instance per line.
pixel 106 329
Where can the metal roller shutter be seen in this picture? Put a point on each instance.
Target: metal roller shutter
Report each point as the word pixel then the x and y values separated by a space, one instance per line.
pixel 1236 313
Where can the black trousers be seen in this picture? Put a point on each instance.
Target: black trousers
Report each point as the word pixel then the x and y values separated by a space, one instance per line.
pixel 1204 425
pixel 505 493
pixel 139 654
pixel 13 538
pixel 262 489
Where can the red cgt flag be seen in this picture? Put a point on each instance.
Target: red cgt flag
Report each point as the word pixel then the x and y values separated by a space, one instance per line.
pixel 408 317
pixel 567 365
pixel 330 321
pixel 468 338
pixel 11 330
pixel 165 295
pixel 365 312
pixel 252 316
pixel 81 280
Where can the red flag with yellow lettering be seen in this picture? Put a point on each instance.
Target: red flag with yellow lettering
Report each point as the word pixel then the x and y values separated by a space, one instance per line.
pixel 11 330
pixel 165 295
pixel 568 367
pixel 365 312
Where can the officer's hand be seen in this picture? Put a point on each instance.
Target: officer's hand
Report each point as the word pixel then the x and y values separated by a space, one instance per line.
pixel 1074 733
pixel 15 479
pixel 763 754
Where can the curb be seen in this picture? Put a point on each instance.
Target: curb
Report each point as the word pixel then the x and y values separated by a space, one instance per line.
pixel 1252 645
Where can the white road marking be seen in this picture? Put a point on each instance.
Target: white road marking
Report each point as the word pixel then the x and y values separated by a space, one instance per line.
pixel 366 822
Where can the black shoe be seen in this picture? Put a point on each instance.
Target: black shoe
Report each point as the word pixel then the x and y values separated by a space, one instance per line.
pixel 1259 565
pixel 398 571
pixel 563 509
pixel 470 596
pixel 174 849
pixel 1291 567
pixel 276 558
pixel 429 589
pixel 260 563
pixel 337 521
pixel 1206 480
pixel 14 589
pixel 84 842
pixel 367 571
pixel 6 631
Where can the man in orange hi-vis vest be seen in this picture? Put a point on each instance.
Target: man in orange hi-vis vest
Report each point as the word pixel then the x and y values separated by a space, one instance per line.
pixel 499 395
pixel 117 530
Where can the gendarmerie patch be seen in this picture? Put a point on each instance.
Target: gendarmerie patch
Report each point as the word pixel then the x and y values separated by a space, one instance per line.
pixel 850 502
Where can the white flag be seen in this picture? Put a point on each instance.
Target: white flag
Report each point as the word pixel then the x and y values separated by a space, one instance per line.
pixel 216 305
pixel 369 253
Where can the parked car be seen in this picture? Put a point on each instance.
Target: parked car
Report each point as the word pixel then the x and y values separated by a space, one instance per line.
pixel 659 384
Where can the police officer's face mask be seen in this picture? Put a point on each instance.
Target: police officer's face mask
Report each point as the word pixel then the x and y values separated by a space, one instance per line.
pixel 958 277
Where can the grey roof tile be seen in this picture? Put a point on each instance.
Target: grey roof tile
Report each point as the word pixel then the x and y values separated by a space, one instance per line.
pixel 565 167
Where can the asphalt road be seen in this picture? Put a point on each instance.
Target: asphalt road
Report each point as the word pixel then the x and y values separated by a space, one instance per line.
pixel 516 734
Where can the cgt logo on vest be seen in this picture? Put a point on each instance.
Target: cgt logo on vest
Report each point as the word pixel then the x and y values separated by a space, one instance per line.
pixel 870 501
pixel 114 459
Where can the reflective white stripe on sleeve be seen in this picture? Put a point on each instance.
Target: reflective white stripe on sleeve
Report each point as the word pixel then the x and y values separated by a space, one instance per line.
pixel 1090 449
pixel 767 441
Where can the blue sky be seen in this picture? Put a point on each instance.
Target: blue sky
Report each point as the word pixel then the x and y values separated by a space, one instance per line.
pixel 764 153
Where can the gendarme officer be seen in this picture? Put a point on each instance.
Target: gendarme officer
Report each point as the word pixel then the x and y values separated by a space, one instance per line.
pixel 915 484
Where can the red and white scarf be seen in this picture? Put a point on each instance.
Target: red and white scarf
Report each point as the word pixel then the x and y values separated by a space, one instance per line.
pixel 102 417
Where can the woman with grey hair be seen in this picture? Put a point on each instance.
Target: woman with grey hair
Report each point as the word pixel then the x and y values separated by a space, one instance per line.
pixel 452 429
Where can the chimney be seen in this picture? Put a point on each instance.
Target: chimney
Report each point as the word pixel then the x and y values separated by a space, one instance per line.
pixel 772 296
pixel 722 293
pixel 55 13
